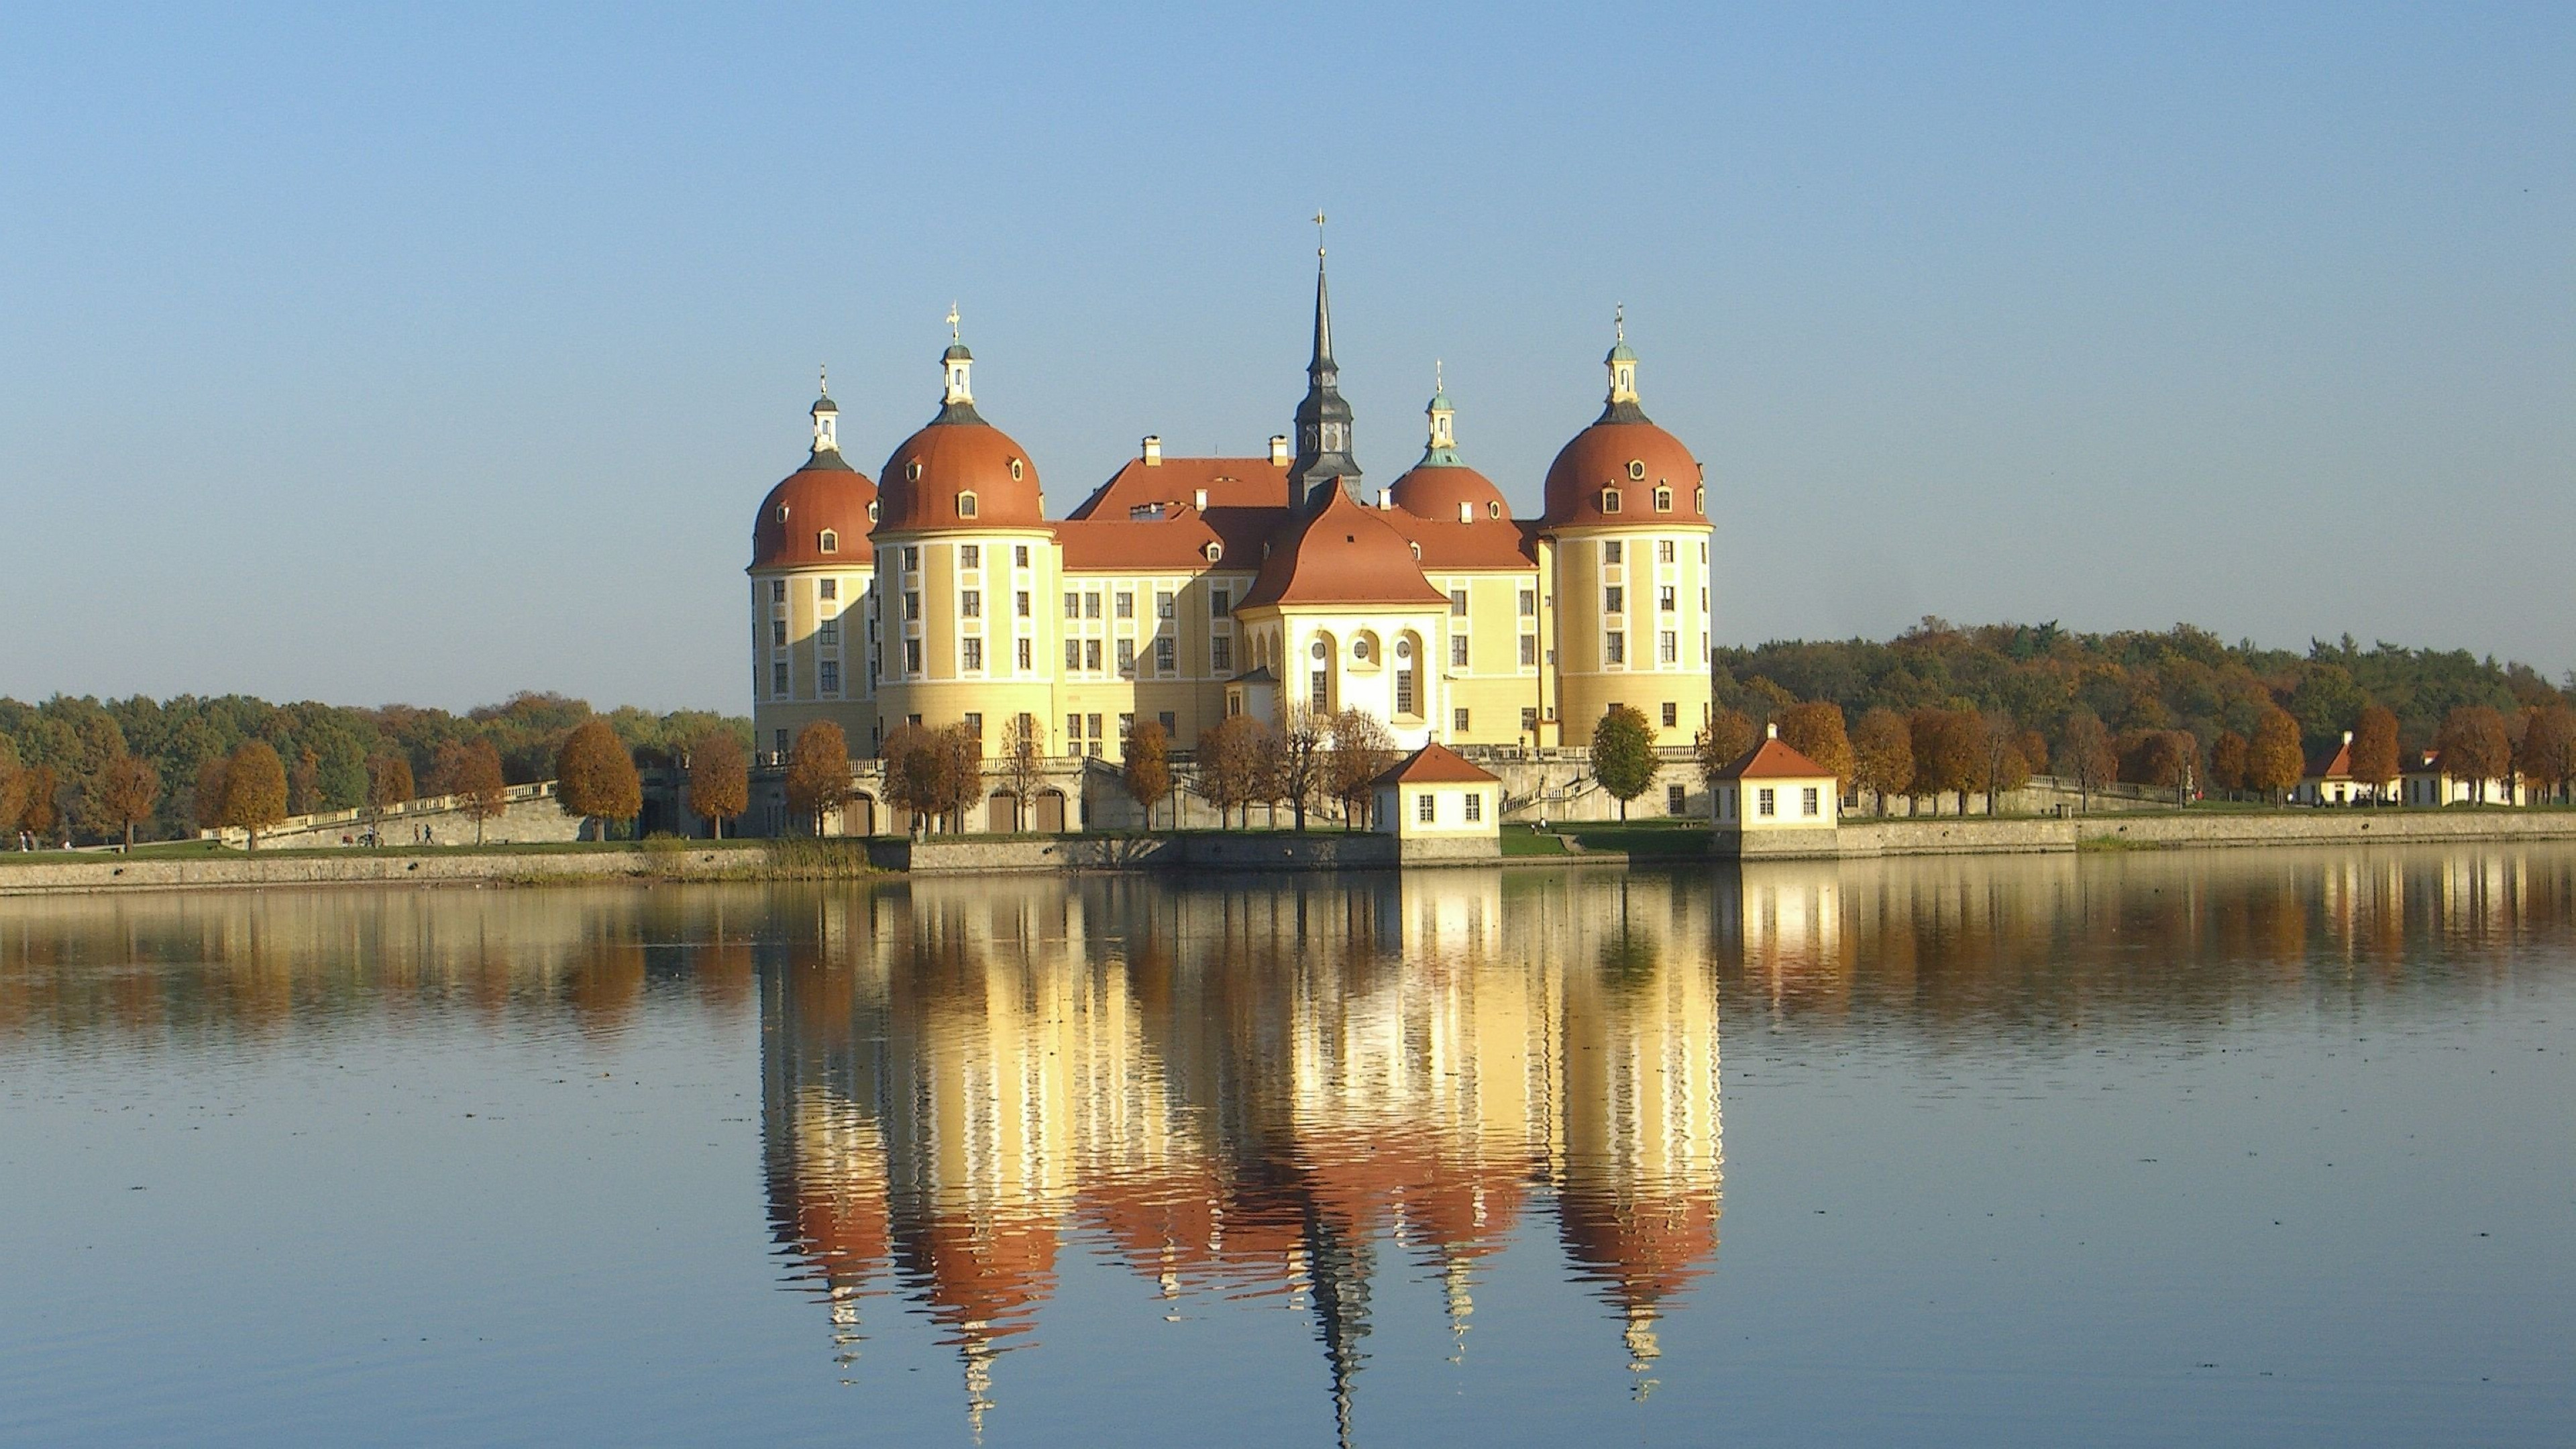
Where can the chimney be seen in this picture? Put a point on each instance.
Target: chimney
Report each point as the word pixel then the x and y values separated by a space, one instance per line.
pixel 1198 500
pixel 1153 450
pixel 2347 737
pixel 1385 499
pixel 1278 450
pixel 1771 731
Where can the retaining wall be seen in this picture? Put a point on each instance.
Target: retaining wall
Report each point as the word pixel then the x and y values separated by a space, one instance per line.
pixel 1321 850
pixel 364 867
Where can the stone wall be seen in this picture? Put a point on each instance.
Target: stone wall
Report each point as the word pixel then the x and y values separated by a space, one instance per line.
pixel 531 815
pixel 2303 827
pixel 361 867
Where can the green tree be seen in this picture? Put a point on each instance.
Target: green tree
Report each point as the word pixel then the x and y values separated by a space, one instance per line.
pixel 1147 769
pixel 719 779
pixel 1882 755
pixel 818 772
pixel 254 789
pixel 122 795
pixel 1623 754
pixel 2374 749
pixel 2273 758
pixel 2475 747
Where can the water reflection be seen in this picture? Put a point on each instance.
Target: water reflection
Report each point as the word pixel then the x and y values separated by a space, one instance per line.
pixel 1296 1090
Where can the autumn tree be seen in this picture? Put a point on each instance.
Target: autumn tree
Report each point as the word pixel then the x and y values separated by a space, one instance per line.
pixel 473 777
pixel 2006 767
pixel 1882 755
pixel 2374 749
pixel 719 779
pixel 1022 766
pixel 1363 749
pixel 2547 755
pixel 1147 770
pixel 818 772
pixel 595 777
pixel 2084 753
pixel 2273 761
pixel 1948 753
pixel 1229 764
pixel 1815 730
pixel 206 801
pixel 389 784
pixel 304 784
pixel 254 789
pixel 1728 736
pixel 2230 758
pixel 2475 747
pixel 913 763
pixel 1623 754
pixel 2165 759
pixel 122 794
pixel 1296 773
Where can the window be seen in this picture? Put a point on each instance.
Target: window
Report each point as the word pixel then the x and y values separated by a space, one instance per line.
pixel 974 653
pixel 1022 604
pixel 970 555
pixel 1457 651
pixel 1764 803
pixel 1126 656
pixel 1167 722
pixel 828 589
pixel 1668 647
pixel 1126 730
pixel 829 542
pixel 1319 691
pixel 1126 605
pixel 1529 603
pixel 1703 551
pixel 1221 654
pixel 1019 555
pixel 1614 600
pixel 966 505
pixel 1220 603
pixel 1458 720
pixel 1457 603
pixel 1529 651
pixel 912 604
pixel 1672 715
pixel 1091 654
pixel 872 517
pixel 1073 654
pixel 1808 801
pixel 1405 703
pixel 912 470
pixel 1609 500
pixel 1699 504
pixel 777 633
pixel 1663 550
pixel 911 559
pixel 1493 509
pixel 1162 603
pixel 1475 801
pixel 1095 729
pixel 1663 500
pixel 1675 799
pixel 1073 606
pixel 1027 653
pixel 1073 727
pixel 778 677
pixel 1091 605
pixel 778 591
pixel 829 631
pixel 1637 470
pixel 970 603
pixel 1164 662
pixel 1614 648
pixel 831 676
pixel 1426 807
pixel 1610 551
pixel 912 656
pixel 1214 550
pixel 1319 650
pixel 1529 719
pixel 1703 600
pixel 975 724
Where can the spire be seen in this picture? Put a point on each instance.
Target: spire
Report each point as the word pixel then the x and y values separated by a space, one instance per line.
pixel 1442 449
pixel 1323 419
pixel 1622 405
pixel 957 402
pixel 827 425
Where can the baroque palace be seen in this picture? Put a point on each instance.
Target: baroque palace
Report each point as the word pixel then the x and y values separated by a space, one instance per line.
pixel 1184 590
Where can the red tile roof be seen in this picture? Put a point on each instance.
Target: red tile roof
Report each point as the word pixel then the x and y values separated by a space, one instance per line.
pixel 1772 760
pixel 1435 764
pixel 1342 554
pixel 1230 483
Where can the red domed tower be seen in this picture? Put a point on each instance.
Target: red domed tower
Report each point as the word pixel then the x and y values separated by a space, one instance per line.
pixel 811 569
pixel 1627 528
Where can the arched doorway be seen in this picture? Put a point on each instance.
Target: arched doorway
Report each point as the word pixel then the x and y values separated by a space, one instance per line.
pixel 859 815
pixel 1002 814
pixel 1050 812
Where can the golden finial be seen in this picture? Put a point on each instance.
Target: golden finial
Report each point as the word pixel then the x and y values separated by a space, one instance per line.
pixel 1437 386
pixel 1619 323
pixel 1319 231
pixel 823 378
pixel 952 322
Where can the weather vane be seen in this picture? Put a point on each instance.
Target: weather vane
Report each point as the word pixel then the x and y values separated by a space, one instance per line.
pixel 952 322
pixel 823 378
pixel 1619 322
pixel 1319 231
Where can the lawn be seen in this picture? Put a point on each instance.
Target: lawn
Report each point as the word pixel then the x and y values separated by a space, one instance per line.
pixel 1643 839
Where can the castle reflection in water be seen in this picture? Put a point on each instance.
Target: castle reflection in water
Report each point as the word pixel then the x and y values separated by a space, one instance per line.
pixel 1308 1089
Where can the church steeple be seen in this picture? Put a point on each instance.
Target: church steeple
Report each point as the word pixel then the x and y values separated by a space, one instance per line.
pixel 1323 418
pixel 1622 405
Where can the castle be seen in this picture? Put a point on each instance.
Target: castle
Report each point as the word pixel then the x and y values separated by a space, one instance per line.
pixel 1185 590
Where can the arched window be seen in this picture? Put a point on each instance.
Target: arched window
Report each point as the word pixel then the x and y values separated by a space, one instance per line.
pixel 1699 500
pixel 831 541
pixel 1663 500
pixel 966 505
pixel 1609 500
pixel 1214 551
pixel 1417 553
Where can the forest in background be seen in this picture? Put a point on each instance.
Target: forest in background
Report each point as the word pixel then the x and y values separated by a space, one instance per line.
pixel 325 748
pixel 2183 679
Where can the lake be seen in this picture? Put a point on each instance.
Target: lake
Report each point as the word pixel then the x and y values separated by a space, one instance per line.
pixel 2253 1147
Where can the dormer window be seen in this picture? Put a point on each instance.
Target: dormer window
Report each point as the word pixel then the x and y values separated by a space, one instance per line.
pixel 1663 500
pixel 1609 500
pixel 912 471
pixel 1417 553
pixel 872 511
pixel 830 542
pixel 1699 500
pixel 782 513
pixel 1493 510
pixel 1637 469
pixel 1017 470
pixel 966 505
pixel 1214 551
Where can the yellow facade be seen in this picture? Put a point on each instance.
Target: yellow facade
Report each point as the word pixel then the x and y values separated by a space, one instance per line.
pixel 809 652
pixel 1631 615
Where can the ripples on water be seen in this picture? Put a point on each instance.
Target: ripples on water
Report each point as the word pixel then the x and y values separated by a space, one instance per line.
pixel 1378 1106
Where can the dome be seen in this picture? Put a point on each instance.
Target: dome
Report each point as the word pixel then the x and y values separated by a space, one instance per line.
pixel 827 495
pixel 1434 491
pixel 1633 457
pixel 1341 554
pixel 931 474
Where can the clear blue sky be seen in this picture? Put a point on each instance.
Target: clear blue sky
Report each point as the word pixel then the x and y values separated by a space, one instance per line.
pixel 431 353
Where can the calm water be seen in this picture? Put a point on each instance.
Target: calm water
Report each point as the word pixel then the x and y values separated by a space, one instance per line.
pixel 2227 1148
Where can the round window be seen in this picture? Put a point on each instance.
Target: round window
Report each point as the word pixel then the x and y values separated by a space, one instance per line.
pixel 1320 652
pixel 1404 649
pixel 1359 650
pixel 1637 469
